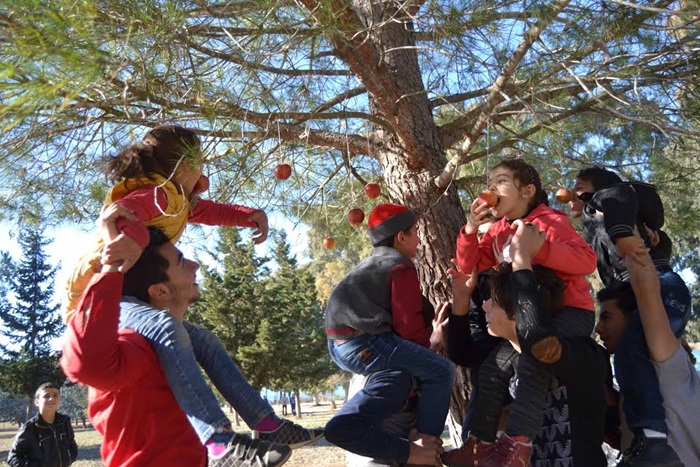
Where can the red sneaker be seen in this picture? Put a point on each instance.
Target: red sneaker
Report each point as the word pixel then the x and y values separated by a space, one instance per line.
pixel 508 452
pixel 472 453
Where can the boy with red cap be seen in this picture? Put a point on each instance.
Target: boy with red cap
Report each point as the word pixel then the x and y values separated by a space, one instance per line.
pixel 374 322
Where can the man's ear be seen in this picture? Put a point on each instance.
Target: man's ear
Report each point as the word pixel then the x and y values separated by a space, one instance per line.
pixel 158 291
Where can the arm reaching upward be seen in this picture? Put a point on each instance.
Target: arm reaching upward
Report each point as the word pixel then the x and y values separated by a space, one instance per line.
pixel 660 339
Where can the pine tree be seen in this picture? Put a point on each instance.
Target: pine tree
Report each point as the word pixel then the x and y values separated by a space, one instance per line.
pixel 30 319
pixel 231 304
pixel 293 345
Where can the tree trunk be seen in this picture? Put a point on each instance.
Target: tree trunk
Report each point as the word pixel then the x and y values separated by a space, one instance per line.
pixel 297 399
pixel 411 153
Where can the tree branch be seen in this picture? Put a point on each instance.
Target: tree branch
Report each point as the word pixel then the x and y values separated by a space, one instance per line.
pixel 495 96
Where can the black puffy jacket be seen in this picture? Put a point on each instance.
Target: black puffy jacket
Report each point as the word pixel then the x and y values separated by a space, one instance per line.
pixel 42 444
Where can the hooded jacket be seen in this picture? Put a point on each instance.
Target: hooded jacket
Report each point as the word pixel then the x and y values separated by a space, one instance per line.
pixel 564 251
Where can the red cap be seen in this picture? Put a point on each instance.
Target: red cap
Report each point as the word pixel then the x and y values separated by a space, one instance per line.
pixel 387 220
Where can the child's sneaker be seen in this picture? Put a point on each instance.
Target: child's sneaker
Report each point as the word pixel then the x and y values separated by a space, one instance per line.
pixel 508 452
pixel 291 434
pixel 243 451
pixel 650 452
pixel 473 452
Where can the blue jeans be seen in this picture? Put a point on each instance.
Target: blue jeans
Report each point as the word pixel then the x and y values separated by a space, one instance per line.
pixel 634 371
pixel 181 349
pixel 368 353
pixel 376 421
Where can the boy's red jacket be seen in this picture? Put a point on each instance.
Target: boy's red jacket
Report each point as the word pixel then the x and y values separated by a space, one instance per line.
pixel 130 402
pixel 564 251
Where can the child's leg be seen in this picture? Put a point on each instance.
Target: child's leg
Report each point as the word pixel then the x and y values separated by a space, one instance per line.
pixel 227 378
pixel 526 412
pixel 494 378
pixel 174 349
pixel 370 353
pixel 436 376
pixel 357 427
pixel 642 402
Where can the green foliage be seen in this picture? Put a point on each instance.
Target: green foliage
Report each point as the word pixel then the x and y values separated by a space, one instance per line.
pixel 270 322
pixel 13 408
pixel 30 319
pixel 74 401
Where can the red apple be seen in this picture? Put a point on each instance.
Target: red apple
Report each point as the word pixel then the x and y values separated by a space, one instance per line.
pixel 283 171
pixel 202 185
pixel 564 195
pixel 489 197
pixel 329 243
pixel 356 216
pixel 373 190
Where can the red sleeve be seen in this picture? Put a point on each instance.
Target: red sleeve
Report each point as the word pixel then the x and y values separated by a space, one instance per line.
pixel 142 202
pixel 407 305
pixel 472 252
pixel 93 351
pixel 211 213
pixel 565 250
pixel 146 203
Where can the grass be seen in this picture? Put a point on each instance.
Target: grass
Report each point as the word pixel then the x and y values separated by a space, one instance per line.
pixel 320 454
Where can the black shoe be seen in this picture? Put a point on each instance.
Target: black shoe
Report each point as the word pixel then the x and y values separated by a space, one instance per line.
pixel 243 451
pixel 650 452
pixel 292 434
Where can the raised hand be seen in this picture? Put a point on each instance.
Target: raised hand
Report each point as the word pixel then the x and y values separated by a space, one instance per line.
pixel 259 234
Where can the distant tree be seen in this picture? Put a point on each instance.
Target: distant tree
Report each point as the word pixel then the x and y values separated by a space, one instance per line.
pixel 271 323
pixel 74 402
pixel 29 318
pixel 293 343
pixel 231 304
pixel 12 408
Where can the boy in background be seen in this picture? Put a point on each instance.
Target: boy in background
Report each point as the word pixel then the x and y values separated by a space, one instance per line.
pixel 47 439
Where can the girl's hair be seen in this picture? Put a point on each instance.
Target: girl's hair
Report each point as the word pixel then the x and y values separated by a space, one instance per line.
pixel 162 151
pixel 599 177
pixel 526 174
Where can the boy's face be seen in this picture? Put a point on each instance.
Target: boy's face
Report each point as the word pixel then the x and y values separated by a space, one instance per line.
pixel 611 325
pixel 499 324
pixel 48 400
pixel 407 242
pixel 582 186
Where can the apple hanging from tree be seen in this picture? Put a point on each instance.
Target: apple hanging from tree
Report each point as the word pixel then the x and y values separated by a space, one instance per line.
pixel 489 197
pixel 564 195
pixel 283 171
pixel 356 216
pixel 373 190
pixel 329 243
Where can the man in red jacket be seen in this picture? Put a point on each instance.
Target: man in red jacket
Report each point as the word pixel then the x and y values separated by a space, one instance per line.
pixel 130 401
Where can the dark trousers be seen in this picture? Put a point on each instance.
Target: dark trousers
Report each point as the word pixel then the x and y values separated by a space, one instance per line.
pixel 375 422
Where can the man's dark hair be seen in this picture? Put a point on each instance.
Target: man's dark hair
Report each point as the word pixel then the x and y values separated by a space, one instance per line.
pixel 151 268
pixel 623 296
pixel 599 177
pixel 45 386
pixel 551 288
